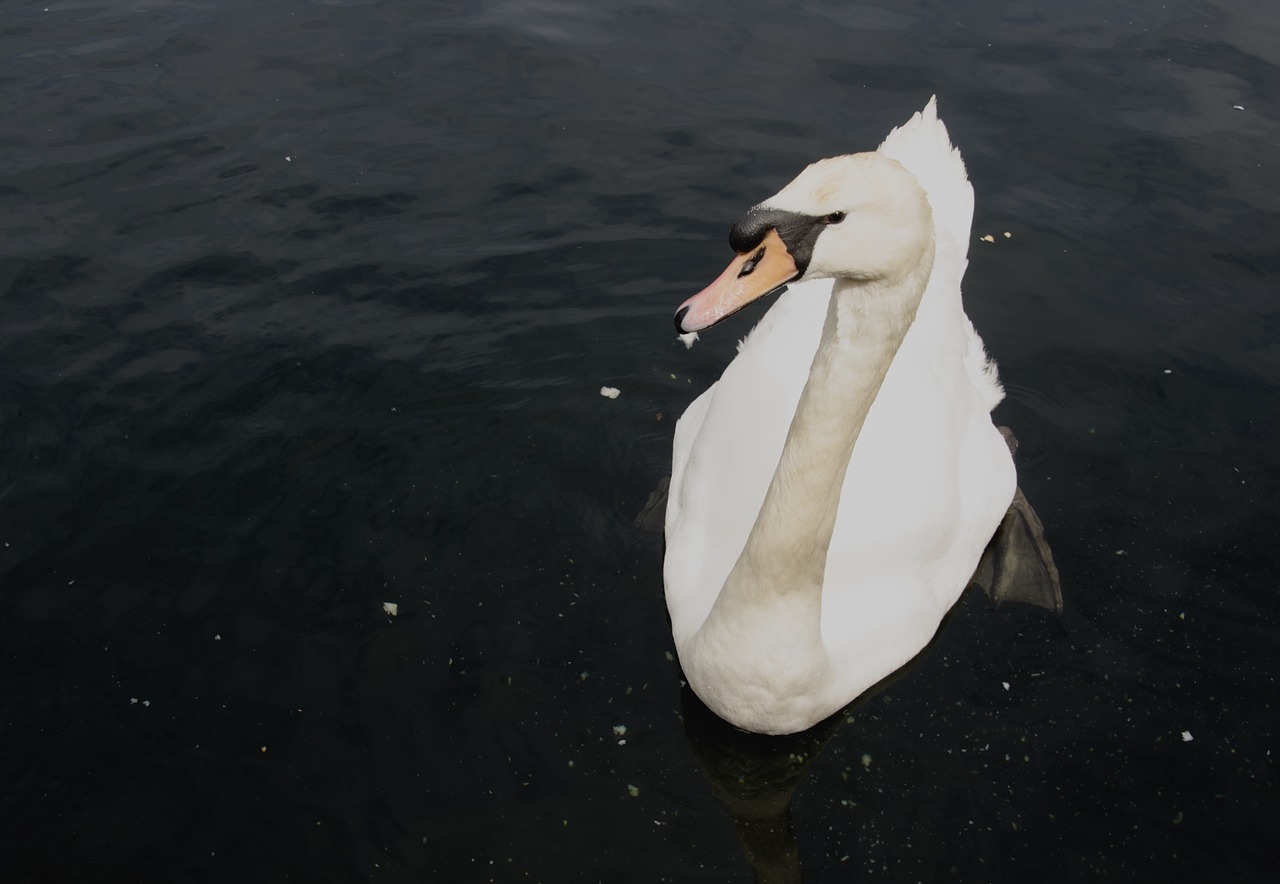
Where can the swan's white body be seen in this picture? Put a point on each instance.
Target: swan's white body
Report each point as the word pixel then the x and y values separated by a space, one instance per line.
pixel 927 483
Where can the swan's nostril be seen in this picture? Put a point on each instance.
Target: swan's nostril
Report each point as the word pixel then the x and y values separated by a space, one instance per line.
pixel 749 267
pixel 680 314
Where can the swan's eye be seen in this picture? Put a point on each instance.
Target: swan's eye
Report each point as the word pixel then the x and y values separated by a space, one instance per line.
pixel 834 218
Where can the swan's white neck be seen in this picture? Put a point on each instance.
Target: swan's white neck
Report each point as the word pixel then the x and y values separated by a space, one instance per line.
pixel 768 615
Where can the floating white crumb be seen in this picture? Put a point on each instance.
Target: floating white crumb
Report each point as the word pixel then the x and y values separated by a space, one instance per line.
pixel 619 729
pixel 1008 235
pixel 688 339
pixel 632 790
pixel 1005 685
pixel 866 760
pixel 987 238
pixel 390 608
pixel 1186 737
pixel 610 392
pixel 1238 106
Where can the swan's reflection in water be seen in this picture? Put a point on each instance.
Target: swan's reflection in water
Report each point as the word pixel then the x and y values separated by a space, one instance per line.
pixel 755 776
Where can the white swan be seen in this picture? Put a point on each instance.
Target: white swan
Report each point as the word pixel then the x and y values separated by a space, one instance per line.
pixel 832 493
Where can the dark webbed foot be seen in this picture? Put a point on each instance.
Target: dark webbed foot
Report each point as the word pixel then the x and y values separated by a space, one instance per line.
pixel 1018 565
pixel 653 516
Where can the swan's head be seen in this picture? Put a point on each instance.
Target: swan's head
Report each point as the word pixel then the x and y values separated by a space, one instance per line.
pixel 861 216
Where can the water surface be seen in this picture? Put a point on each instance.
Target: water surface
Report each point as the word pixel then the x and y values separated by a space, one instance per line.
pixel 307 307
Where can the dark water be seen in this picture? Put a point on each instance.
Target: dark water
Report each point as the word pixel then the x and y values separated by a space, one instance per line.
pixel 307 307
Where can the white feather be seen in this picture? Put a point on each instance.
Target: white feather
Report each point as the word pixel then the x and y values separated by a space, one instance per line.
pixel 927 483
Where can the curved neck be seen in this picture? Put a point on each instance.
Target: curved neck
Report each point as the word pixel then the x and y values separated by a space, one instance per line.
pixel 785 555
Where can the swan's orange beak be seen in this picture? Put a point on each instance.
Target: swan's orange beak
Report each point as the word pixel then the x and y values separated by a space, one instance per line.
pixel 753 274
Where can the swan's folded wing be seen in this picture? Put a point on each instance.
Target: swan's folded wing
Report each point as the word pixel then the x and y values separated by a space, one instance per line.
pixel 923 146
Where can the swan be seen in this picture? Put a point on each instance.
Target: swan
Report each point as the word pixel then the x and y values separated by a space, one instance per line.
pixel 832 493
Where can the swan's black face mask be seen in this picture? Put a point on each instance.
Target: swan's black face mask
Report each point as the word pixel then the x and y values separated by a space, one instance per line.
pixel 798 233
pixel 773 247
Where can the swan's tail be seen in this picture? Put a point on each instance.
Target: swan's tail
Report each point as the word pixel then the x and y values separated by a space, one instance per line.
pixel 923 146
